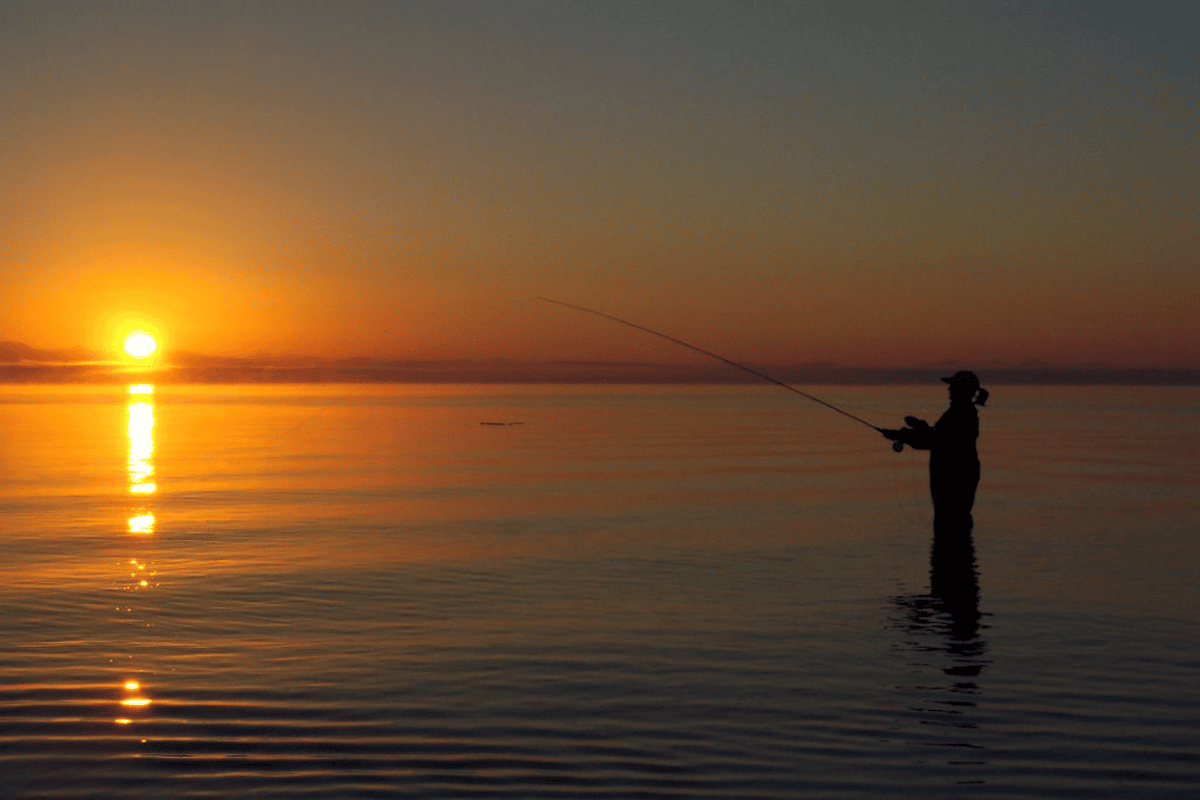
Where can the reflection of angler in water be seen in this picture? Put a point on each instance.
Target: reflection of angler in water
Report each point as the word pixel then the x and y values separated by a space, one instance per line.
pixel 953 460
pixel 954 580
pixel 940 685
pixel 952 606
pixel 951 609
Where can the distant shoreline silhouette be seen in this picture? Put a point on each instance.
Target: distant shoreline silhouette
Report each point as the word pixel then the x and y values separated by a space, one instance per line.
pixel 21 363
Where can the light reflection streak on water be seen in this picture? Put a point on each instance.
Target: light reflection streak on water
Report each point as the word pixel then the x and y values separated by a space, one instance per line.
pixel 141 520
pixel 138 577
pixel 132 702
pixel 141 447
pixel 141 452
pixel 142 523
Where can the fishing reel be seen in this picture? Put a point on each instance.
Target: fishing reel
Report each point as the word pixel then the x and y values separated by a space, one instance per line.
pixel 914 425
pixel 897 436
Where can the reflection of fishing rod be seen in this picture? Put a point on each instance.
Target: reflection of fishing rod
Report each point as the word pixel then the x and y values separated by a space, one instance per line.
pixel 742 367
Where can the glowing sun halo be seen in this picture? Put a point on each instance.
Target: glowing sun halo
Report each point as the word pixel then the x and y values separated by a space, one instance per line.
pixel 140 344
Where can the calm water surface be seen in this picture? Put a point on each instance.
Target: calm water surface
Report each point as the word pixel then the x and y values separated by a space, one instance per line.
pixel 362 591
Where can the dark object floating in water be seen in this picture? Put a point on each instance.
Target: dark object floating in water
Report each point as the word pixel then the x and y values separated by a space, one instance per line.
pixel 502 424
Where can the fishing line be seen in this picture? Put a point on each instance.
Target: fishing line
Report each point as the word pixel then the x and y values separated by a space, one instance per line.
pixel 912 509
pixel 742 367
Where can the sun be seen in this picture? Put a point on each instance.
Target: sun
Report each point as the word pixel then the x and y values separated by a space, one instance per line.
pixel 140 344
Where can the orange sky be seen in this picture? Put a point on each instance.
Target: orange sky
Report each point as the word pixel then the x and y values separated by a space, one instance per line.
pixel 873 184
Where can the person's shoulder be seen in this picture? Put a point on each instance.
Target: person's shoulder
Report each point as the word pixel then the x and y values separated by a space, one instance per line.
pixel 957 413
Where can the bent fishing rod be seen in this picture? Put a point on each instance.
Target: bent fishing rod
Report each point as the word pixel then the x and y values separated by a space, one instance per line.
pixel 742 367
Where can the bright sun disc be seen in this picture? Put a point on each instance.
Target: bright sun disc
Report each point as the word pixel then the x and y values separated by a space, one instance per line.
pixel 140 344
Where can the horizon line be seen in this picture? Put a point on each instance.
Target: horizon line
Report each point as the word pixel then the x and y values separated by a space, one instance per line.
pixel 515 371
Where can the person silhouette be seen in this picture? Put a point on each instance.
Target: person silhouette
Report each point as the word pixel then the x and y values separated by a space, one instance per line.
pixel 953 460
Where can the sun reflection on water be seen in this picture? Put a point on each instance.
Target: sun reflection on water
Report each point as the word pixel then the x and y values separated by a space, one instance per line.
pixel 141 454
pixel 133 700
pixel 141 447
pixel 142 523
pixel 140 469
pixel 139 577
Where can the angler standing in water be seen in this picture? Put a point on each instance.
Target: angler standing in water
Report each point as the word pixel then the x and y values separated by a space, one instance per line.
pixel 953 460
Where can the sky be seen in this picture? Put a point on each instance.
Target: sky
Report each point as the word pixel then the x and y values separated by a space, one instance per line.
pixel 867 183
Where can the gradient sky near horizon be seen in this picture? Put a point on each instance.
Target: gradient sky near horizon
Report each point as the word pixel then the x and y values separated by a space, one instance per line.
pixel 863 182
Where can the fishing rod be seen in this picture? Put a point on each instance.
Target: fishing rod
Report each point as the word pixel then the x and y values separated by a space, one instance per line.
pixel 742 367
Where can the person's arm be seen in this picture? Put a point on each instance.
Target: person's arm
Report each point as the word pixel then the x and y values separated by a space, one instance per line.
pixel 918 435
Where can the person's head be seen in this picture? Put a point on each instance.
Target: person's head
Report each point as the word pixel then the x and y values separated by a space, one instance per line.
pixel 964 387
